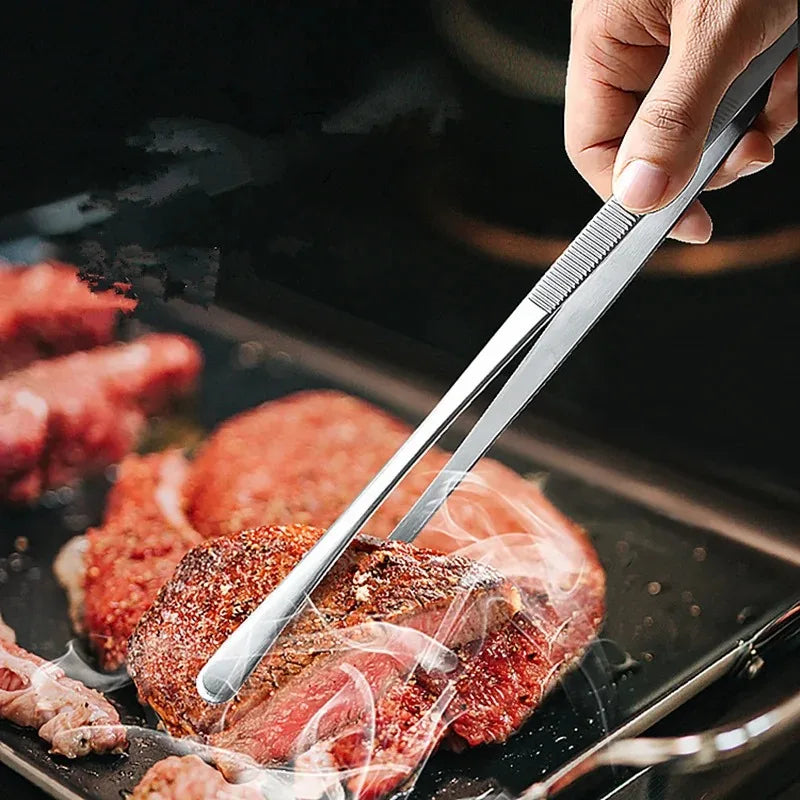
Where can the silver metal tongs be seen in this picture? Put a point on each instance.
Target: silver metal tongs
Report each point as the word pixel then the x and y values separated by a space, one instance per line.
pixel 563 306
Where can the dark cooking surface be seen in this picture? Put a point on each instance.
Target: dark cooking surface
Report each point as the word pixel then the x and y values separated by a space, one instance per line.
pixel 677 598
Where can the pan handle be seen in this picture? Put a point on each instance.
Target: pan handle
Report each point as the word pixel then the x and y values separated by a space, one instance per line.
pixel 695 752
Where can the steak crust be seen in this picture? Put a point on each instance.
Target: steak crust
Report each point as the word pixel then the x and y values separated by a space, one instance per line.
pixel 65 417
pixel 219 583
pixel 46 311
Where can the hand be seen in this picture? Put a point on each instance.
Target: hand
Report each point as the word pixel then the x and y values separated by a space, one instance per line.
pixel 644 80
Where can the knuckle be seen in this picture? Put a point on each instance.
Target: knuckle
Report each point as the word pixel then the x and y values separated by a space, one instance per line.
pixel 669 118
pixel 736 29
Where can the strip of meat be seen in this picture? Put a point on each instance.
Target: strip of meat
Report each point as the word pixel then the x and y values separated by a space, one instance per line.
pixel 143 537
pixel 72 718
pixel 63 418
pixel 190 778
pixel 378 612
pixel 46 310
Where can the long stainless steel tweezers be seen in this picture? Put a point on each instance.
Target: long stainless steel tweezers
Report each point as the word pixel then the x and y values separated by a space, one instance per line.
pixel 563 306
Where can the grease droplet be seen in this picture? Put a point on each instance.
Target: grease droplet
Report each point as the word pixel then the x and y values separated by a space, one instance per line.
pixel 653 588
pixel 699 554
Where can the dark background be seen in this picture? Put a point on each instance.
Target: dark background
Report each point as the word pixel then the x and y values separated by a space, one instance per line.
pixel 698 369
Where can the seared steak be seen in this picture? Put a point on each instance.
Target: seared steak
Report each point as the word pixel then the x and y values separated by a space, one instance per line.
pixel 62 418
pixel 46 310
pixel 308 455
pixel 338 693
pixel 493 504
pixel 73 719
pixel 375 612
pixel 143 537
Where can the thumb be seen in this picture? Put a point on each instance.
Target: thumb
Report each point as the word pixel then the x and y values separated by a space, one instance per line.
pixel 663 144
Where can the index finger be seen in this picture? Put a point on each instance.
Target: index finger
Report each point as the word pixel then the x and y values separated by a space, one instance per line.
pixel 613 61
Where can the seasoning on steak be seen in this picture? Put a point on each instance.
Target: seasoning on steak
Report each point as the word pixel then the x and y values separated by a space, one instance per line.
pixel 62 418
pixel 368 711
pixel 72 718
pixel 46 310
pixel 282 450
pixel 190 778
pixel 132 554
pixel 377 611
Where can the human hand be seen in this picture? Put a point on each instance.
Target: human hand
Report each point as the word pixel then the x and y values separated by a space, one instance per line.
pixel 644 80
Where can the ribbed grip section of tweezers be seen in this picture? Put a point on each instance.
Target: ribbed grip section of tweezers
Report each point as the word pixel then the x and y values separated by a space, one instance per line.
pixel 729 107
pixel 603 233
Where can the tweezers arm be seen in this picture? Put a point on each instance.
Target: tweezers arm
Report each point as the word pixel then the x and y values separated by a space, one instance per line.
pixel 580 311
pixel 229 667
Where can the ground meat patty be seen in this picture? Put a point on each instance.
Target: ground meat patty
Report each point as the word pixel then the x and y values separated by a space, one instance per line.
pixel 65 417
pixel 46 310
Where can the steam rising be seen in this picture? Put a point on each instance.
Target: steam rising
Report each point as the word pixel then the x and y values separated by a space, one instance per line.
pixel 76 666
pixel 537 556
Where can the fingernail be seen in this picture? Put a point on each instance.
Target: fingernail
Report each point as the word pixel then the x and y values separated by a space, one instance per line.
pixel 753 167
pixel 692 230
pixel 640 185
